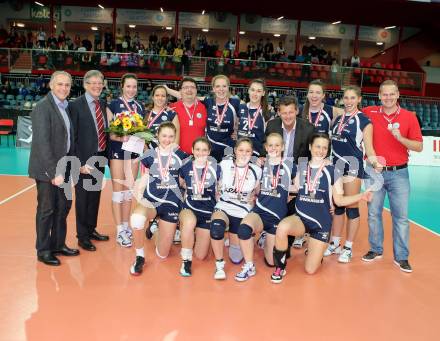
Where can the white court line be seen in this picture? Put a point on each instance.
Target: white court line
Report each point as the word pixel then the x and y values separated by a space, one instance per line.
pixel 420 225
pixel 17 194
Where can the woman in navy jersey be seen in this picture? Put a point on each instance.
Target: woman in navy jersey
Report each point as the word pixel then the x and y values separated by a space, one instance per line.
pixel 352 133
pixel 270 207
pixel 123 168
pixel 158 194
pixel 316 111
pixel 222 116
pixel 199 177
pixel 318 186
pixel 159 112
pixel 238 185
pixel 254 115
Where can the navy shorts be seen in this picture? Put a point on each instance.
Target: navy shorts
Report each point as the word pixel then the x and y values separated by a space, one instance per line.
pixel 168 212
pixel 234 222
pixel 357 173
pixel 270 222
pixel 322 234
pixel 203 220
pixel 117 153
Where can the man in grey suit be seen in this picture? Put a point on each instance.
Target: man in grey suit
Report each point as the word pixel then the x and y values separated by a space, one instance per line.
pixel 52 141
pixel 89 123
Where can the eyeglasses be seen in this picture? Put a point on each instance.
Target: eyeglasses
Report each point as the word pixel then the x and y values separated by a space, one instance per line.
pixel 95 83
pixel 189 87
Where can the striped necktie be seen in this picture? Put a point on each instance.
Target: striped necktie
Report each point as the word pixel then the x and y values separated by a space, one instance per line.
pixel 100 125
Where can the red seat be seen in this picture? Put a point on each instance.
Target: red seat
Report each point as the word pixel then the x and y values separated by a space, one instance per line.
pixel 297 73
pixel 314 74
pixel 6 128
pixel 323 75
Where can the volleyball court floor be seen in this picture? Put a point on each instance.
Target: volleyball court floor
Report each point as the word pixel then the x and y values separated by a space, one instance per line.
pixel 93 296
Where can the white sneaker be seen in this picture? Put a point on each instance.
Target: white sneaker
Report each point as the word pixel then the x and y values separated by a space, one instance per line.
pixel 345 256
pixel 299 242
pixel 176 239
pixel 123 239
pixel 247 271
pixel 154 227
pixel 332 249
pixel 220 270
pixel 129 232
pixel 262 240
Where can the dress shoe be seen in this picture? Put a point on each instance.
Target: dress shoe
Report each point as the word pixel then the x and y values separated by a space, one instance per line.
pixel 87 245
pixel 49 259
pixel 99 237
pixel 66 251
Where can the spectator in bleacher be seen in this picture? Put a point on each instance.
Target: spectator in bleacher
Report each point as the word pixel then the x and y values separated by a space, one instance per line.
pixel 41 38
pixel 355 61
pixel 108 40
pixel 97 40
pixel 177 58
pixel 268 50
pixel 52 42
pixel 61 37
pixel 334 69
pixel 77 42
pixel 280 50
pixel 299 58
pixel 43 89
pixel 126 44
pixel 119 40
pixel 162 57
pixel 22 90
pixel 30 39
pixel 396 132
pixel 87 44
pixel 6 88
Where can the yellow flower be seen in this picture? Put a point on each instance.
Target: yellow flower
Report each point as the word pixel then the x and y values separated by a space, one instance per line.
pixel 116 122
pixel 126 120
pixel 127 126
pixel 136 117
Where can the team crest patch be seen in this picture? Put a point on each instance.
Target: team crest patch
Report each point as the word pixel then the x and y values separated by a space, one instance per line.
pixel 351 121
pixel 164 118
pixel 199 115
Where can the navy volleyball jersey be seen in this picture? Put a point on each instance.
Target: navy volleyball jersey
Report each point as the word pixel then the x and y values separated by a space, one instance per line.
pixel 350 141
pixel 220 135
pixel 324 121
pixel 160 189
pixel 154 121
pixel 202 203
pixel 314 210
pixel 256 134
pixel 274 201
pixel 117 106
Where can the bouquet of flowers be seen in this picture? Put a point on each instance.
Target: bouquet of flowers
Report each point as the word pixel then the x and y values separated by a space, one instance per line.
pixel 130 123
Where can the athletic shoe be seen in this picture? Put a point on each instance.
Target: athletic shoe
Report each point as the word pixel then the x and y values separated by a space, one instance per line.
pixel 371 256
pixel 345 256
pixel 299 242
pixel 277 276
pixel 138 265
pixel 403 265
pixel 235 254
pixel 247 270
pixel 185 269
pixel 123 239
pixel 152 229
pixel 332 249
pixel 129 232
pixel 176 239
pixel 262 240
pixel 220 270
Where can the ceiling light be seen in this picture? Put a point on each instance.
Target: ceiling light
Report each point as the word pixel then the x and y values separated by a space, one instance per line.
pixel 19 24
pixel 242 32
pixel 132 26
pixel 280 18
pixel 277 35
pixel 312 38
pixel 379 43
pixel 390 27
pixel 205 30
pixel 38 3
pixel 161 9
pixel 203 12
pixel 94 28
pixel 101 7
pixel 169 28
pixel 336 22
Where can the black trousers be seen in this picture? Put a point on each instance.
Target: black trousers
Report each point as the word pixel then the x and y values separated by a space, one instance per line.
pixel 87 198
pixel 52 210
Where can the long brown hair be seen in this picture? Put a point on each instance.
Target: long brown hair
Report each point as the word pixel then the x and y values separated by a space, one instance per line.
pixel 151 104
pixel 306 106
pixel 264 103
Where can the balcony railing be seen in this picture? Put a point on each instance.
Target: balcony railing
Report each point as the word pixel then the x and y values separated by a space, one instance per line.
pixel 238 70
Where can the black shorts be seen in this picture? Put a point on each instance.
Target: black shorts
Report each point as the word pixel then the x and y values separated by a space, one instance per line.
pixel 117 153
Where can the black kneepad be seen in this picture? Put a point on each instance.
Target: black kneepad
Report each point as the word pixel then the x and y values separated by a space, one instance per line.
pixel 352 213
pixel 218 228
pixel 244 232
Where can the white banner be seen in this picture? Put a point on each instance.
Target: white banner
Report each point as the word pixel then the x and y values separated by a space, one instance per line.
pixel 193 20
pixel 24 132
pixel 144 17
pixel 269 25
pixel 327 30
pixel 93 15
pixel 368 33
pixel 430 156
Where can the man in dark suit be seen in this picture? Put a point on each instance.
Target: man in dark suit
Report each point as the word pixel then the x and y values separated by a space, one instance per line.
pixel 89 122
pixel 296 132
pixel 52 141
